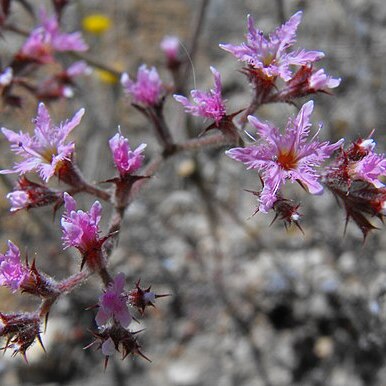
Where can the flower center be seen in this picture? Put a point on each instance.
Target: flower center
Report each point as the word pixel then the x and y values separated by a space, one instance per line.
pixel 287 160
pixel 48 153
pixel 268 59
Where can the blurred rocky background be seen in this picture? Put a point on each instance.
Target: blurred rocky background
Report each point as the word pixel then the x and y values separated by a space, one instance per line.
pixel 294 309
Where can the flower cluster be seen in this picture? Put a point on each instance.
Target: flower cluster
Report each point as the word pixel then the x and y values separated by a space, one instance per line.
pixel 48 152
pixel 113 317
pixel 39 50
pixel 16 276
pixel 277 71
pixel 354 177
pixel 47 39
pixel 271 57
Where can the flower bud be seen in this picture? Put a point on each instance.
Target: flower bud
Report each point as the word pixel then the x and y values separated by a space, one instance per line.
pixel 29 195
pixel 141 298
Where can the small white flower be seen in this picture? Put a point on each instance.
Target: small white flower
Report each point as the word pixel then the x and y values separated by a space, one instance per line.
pixel 6 77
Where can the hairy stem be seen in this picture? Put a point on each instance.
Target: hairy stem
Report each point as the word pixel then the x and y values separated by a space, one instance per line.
pixel 73 281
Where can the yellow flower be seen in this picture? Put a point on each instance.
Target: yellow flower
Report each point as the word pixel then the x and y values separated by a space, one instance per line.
pixel 106 76
pixel 96 23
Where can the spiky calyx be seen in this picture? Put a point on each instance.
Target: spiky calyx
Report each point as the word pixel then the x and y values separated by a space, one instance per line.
pixel 117 338
pixel 21 330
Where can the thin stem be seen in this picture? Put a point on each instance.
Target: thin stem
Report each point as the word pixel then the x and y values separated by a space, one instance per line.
pixel 216 140
pixel 64 287
pixel 16 29
pixel 68 284
pixel 195 36
pixel 150 170
pixel 253 106
pixel 95 191
pixel 105 276
pixel 114 228
pixel 281 11
pixel 161 128
pixel 96 64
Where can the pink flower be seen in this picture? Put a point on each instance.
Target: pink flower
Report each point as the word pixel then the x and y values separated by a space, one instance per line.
pixel 270 54
pixel 206 104
pixel 46 39
pixel 29 194
pixel 81 229
pixel 285 156
pixel 319 81
pixel 78 68
pixel 147 90
pixel 369 169
pixel 126 160
pixel 360 162
pixel 45 150
pixel 19 200
pixel 170 46
pixel 113 305
pixel 12 272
